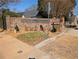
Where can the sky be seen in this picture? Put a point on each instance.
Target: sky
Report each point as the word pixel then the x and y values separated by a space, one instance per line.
pixel 76 8
pixel 25 4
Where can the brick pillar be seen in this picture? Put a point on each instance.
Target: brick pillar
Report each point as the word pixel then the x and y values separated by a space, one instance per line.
pixel 9 23
pixel 62 22
pixel 53 20
pixel 7 20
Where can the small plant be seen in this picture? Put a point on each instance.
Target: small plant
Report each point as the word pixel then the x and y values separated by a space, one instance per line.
pixel 53 28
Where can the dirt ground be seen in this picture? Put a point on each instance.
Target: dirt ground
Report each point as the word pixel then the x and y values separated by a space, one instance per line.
pixel 11 48
pixel 63 47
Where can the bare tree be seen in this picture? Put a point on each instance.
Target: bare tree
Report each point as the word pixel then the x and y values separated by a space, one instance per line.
pixel 2 4
pixel 58 7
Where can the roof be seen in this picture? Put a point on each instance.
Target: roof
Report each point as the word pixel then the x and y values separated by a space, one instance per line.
pixel 36 20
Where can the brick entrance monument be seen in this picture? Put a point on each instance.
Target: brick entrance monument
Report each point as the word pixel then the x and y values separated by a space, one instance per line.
pixel 33 24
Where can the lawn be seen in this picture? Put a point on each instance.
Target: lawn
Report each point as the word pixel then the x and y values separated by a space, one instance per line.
pixel 32 38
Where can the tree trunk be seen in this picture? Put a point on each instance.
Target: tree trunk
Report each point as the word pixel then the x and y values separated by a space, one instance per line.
pixel 4 20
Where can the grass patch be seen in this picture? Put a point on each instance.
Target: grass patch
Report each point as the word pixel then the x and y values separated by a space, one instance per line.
pixel 32 37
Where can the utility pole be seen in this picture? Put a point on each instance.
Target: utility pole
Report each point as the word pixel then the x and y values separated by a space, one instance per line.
pixel 49 9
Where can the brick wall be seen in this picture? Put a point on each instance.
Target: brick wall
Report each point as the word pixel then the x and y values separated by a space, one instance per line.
pixel 29 24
